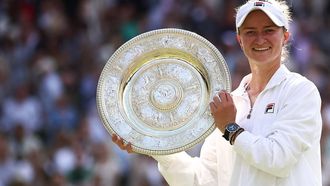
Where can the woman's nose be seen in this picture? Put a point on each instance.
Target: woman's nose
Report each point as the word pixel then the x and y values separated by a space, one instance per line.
pixel 260 39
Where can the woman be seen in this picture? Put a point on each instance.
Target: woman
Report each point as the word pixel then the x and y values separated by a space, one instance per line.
pixel 269 127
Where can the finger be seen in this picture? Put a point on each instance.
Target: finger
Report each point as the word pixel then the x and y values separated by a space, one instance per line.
pixel 114 137
pixel 230 97
pixel 226 95
pixel 223 96
pixel 129 148
pixel 216 100
pixel 213 107
pixel 121 143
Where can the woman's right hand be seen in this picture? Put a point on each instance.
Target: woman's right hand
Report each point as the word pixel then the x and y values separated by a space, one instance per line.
pixel 120 142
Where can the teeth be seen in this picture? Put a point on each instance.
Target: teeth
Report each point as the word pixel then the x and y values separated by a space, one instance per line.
pixel 261 49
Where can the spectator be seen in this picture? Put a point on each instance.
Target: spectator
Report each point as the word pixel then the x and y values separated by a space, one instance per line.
pixel 22 108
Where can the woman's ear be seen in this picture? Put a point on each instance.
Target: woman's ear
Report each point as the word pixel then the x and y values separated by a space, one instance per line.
pixel 286 37
pixel 238 38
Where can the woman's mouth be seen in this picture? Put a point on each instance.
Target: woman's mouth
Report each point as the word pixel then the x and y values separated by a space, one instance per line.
pixel 261 49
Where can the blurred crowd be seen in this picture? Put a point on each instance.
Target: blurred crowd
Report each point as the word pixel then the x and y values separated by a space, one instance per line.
pixel 53 51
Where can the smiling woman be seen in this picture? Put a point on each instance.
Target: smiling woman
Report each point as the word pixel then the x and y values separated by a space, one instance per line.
pixel 261 39
pixel 279 15
pixel 269 128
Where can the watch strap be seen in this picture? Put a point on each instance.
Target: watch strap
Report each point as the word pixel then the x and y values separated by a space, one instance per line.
pixel 227 134
pixel 233 136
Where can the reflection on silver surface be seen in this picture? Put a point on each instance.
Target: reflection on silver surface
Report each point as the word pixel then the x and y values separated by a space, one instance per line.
pixel 155 89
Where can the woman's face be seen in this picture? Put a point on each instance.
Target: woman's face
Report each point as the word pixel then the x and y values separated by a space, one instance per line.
pixel 260 39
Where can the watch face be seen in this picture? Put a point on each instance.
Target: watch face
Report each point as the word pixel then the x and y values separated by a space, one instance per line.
pixel 232 127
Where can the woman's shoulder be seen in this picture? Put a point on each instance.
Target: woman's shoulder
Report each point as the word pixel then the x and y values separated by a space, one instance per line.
pixel 298 86
pixel 296 80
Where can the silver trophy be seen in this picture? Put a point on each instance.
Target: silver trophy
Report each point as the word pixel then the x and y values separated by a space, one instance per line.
pixel 154 91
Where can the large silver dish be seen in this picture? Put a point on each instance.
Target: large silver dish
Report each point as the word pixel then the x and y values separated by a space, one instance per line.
pixel 154 91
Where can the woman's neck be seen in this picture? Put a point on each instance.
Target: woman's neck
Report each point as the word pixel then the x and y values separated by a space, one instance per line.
pixel 261 75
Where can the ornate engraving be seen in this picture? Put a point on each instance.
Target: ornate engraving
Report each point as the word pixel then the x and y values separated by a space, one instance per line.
pixel 166 96
pixel 159 98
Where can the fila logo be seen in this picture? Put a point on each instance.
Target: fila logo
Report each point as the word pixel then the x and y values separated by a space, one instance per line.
pixel 270 108
pixel 259 3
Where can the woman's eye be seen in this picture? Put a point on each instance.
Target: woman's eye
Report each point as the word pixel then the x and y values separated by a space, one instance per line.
pixel 269 31
pixel 250 33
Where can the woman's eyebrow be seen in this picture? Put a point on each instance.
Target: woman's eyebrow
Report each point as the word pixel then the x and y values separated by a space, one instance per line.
pixel 248 28
pixel 271 26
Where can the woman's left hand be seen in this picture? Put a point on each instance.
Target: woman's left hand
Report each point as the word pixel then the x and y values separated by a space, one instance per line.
pixel 223 110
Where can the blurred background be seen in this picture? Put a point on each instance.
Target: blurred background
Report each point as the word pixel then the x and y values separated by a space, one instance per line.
pixel 52 53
